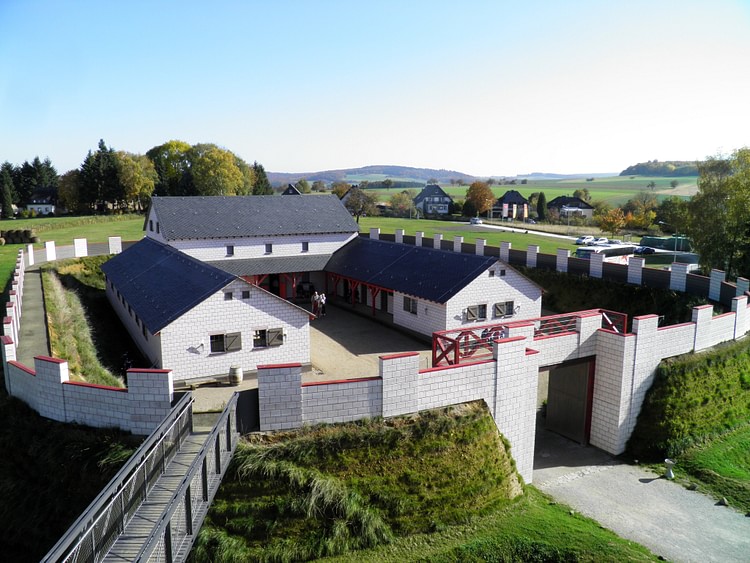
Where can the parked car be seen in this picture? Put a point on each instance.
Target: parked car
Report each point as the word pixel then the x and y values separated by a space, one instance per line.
pixel 475 221
pixel 644 250
pixel 601 240
pixel 585 239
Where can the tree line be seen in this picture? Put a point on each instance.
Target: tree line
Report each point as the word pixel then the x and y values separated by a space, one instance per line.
pixel 110 181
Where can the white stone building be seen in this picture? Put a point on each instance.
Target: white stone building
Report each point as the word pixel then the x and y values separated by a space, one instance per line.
pixel 428 290
pixel 198 320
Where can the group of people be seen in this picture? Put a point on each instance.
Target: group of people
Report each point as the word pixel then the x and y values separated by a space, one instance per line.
pixel 318 301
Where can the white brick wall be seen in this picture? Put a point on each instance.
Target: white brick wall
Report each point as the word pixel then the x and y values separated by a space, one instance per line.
pixel 255 247
pixel 490 290
pixel 342 401
pixel 429 318
pixel 186 348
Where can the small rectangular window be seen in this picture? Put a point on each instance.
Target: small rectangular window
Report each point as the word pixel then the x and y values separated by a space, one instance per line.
pixel 502 273
pixel 246 294
pixel 410 305
pixel 230 250
pixel 268 337
pixel 229 342
pixel 305 246
pixel 504 309
pixel 157 227
pixel 150 224
pixel 481 312
pixel 227 296
pixel 144 331
pixel 492 273
pixel 269 248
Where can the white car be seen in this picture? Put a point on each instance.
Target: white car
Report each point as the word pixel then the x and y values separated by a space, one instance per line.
pixel 585 239
pixel 475 221
pixel 601 240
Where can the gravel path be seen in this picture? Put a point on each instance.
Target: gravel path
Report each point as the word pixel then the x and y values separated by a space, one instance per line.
pixel 636 504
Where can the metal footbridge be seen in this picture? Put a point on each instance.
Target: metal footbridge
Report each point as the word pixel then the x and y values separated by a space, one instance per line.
pixel 154 507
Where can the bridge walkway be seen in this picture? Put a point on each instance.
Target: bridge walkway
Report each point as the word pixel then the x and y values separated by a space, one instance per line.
pixel 139 529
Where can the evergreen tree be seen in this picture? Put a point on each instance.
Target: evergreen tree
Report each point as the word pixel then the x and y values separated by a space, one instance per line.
pixel 6 192
pixel 262 186
pixel 99 180
pixel 541 207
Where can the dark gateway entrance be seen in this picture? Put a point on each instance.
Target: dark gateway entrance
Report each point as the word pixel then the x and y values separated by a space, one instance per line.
pixel 568 389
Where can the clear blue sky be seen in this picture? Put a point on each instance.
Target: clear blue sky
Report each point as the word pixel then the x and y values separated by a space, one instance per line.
pixel 486 88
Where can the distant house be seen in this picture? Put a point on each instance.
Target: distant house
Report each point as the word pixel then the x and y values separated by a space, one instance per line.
pixel 43 201
pixel 433 200
pixel 511 205
pixel 198 320
pixel 568 206
pixel 347 194
pixel 291 190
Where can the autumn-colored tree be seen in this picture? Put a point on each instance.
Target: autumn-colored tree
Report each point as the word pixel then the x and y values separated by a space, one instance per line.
pixel 481 197
pixel 612 221
pixel 138 177
pixel 402 204
pixel 340 188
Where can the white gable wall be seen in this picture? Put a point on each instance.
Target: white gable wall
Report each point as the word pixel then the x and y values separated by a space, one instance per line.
pixel 486 290
pixel 186 347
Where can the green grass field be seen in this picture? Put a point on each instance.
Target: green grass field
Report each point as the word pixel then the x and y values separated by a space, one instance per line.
pixel 615 190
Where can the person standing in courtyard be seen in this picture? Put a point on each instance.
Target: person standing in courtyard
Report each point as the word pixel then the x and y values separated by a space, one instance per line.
pixel 315 303
pixel 322 304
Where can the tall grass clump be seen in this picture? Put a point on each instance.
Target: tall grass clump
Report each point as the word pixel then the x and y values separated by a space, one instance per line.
pixel 70 335
pixel 333 489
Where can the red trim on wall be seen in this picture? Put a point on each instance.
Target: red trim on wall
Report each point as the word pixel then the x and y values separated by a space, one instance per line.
pixel 7 320
pixel 722 315
pixel 340 381
pixel 650 316
pixel 615 332
pixel 510 339
pixel 6 339
pixel 676 326
pixel 530 352
pixel 49 359
pixel 22 367
pixel 400 355
pixel 279 366
pixel 94 386
pixel 703 307
pixel 144 370
pixel 455 366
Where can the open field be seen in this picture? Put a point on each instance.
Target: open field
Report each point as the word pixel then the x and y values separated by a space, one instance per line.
pixel 615 190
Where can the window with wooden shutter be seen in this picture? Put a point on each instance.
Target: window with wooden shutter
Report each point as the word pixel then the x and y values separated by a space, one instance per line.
pixel 471 313
pixel 232 341
pixel 275 336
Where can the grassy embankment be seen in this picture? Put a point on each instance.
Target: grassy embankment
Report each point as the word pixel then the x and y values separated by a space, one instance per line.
pixel 439 486
pixel 698 412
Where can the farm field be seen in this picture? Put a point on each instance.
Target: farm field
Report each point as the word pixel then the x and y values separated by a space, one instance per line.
pixel 614 190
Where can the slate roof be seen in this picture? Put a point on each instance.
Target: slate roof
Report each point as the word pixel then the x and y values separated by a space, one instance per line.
pixel 211 217
pixel 510 197
pixel 431 190
pixel 568 201
pixel 161 283
pixel 273 265
pixel 435 275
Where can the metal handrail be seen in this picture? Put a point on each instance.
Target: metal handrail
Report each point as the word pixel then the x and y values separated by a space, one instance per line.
pixel 158 531
pixel 100 506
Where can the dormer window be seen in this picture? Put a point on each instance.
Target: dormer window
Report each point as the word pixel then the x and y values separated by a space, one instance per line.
pixel 269 248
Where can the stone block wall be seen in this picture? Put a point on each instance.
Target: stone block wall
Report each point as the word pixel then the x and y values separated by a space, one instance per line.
pixel 342 401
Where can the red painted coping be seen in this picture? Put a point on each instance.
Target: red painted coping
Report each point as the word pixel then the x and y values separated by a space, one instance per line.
pixel 49 359
pixel 703 307
pixel 587 314
pixel 510 339
pixel 722 315
pixel 649 316
pixel 147 370
pixel 676 326
pixel 6 339
pixel 340 381
pixel 279 366
pixel 400 355
pixel 22 367
pixel 95 386
pixel 530 352
pixel 615 332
